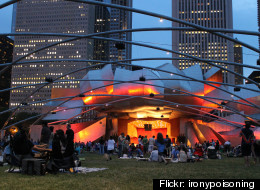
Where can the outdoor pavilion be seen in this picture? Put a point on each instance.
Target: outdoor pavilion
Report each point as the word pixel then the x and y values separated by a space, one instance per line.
pixel 187 102
pixel 145 102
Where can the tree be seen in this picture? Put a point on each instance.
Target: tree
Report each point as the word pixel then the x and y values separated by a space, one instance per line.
pixel 22 116
pixel 3 116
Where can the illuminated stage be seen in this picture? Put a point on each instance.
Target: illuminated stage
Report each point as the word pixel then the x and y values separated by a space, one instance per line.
pixel 145 102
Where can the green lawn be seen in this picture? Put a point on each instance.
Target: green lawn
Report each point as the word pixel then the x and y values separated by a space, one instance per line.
pixel 129 174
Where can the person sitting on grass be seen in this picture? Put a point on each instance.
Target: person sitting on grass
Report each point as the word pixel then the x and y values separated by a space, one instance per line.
pixel 21 144
pixel 78 148
pixel 183 154
pixel 131 150
pixel 21 147
pixel 198 152
pixel 175 154
pixel 139 152
pixel 154 155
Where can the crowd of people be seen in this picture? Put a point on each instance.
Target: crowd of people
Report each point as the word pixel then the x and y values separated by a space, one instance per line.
pixel 162 149
pixel 58 147
pixel 159 149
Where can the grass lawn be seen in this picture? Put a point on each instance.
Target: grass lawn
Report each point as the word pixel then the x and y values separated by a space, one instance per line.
pixel 129 174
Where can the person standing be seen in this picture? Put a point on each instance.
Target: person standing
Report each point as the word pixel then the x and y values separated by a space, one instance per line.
pixel 168 143
pixel 126 144
pixel 217 146
pixel 45 135
pixel 121 141
pixel 160 143
pixel 70 141
pixel 140 140
pixel 227 147
pixel 247 137
pixel 145 143
pixel 213 142
pixel 110 147
pixel 151 144
pixel 101 145
pixel 51 137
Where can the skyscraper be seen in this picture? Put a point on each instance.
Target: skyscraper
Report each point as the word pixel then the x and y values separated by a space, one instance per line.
pixel 207 13
pixel 106 19
pixel 238 58
pixel 120 20
pixel 102 24
pixel 49 16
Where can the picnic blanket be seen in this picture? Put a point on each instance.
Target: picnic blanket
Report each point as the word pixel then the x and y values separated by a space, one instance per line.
pixel 88 170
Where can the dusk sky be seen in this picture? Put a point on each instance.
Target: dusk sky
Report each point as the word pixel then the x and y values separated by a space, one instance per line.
pixel 244 18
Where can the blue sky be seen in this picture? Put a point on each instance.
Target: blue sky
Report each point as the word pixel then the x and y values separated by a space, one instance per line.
pixel 244 16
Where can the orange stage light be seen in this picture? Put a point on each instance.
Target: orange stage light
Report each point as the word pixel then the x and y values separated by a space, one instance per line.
pixel 87 99
pixel 143 90
pixel 111 91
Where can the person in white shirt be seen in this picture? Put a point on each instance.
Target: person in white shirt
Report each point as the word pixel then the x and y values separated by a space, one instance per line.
pixel 154 155
pixel 110 147
pixel 227 146
pixel 151 144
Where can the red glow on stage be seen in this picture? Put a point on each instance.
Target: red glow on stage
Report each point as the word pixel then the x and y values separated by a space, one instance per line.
pixel 149 134
pixel 153 132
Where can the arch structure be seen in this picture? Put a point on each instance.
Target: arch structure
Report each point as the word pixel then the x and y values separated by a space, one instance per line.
pixel 145 100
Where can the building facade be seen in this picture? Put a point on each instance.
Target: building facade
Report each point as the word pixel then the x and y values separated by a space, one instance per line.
pixel 121 20
pixel 6 56
pixel 207 13
pixel 102 24
pixel 49 16
pixel 107 19
pixel 238 58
